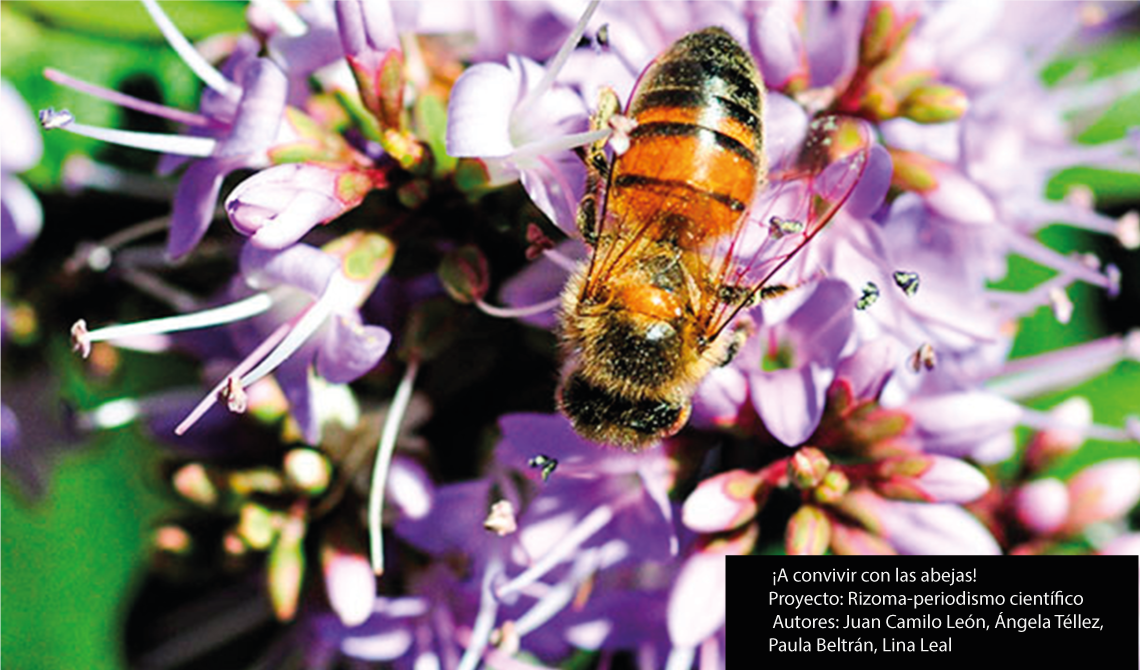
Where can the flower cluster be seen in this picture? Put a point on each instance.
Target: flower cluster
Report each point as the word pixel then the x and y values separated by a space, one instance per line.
pixel 376 442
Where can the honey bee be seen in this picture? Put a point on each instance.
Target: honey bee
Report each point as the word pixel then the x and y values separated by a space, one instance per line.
pixel 649 315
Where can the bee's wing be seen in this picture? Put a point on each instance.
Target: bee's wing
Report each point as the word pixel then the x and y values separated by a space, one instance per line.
pixel 801 199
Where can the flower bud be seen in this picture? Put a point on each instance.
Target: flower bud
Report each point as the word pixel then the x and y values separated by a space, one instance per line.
pixel 307 471
pixel 1102 492
pixel 854 541
pixel 913 171
pixel 349 581
pixel 1042 505
pixel 278 206
pixel 884 32
pixel 464 274
pixel 807 467
pixel 808 532
pixel 257 525
pixel 834 486
pixel 193 482
pixel 723 502
pixel 371 47
pixel 929 479
pixel 286 566
pixel 934 103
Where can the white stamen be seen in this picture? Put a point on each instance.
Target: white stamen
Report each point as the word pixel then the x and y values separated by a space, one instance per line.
pixel 558 597
pixel 554 65
pixel 244 309
pixel 558 143
pixel 1037 420
pixel 256 355
pixel 517 312
pixel 311 321
pixel 384 454
pixel 485 619
pixel 80 172
pixel 561 260
pixel 183 145
pixel 284 16
pixel 124 100
pixel 1062 306
pixel 590 524
pixel 189 55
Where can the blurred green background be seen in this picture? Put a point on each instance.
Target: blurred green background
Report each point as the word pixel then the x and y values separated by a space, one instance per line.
pixel 72 558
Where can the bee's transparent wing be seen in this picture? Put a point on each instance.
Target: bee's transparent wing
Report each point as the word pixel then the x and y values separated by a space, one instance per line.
pixel 802 197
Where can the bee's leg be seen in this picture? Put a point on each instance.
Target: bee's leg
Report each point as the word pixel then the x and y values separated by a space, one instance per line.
pixel 741 331
pixel 748 296
pixel 597 165
pixel 587 217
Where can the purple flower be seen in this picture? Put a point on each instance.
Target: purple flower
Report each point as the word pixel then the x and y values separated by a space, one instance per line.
pixel 790 381
pixel 307 301
pixel 22 215
pixel 1104 491
pixel 277 206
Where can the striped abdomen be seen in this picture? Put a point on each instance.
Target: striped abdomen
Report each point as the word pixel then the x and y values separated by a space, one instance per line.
pixel 696 155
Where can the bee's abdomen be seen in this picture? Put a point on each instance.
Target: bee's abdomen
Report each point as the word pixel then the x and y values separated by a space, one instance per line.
pixel 697 150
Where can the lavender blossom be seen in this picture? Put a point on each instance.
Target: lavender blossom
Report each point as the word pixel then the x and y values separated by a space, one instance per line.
pixel 391 483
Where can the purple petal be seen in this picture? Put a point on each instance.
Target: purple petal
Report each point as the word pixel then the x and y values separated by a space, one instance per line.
pixel 293 378
pixel 27 464
pixel 872 188
pixel 556 186
pixel 350 349
pixel 455 521
pixel 259 113
pixel 23 144
pixel 952 480
pixel 790 402
pixel 301 265
pixel 871 366
pixel 194 204
pixel 527 435
pixel 824 323
pixel 279 205
pixel 479 112
pixel 786 125
pixel 932 529
pixel 955 424
pixel 697 603
pixel 22 214
pixel 538 282
pixel 780 51
pixel 367 30
pixel 719 398
pixel 303 54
